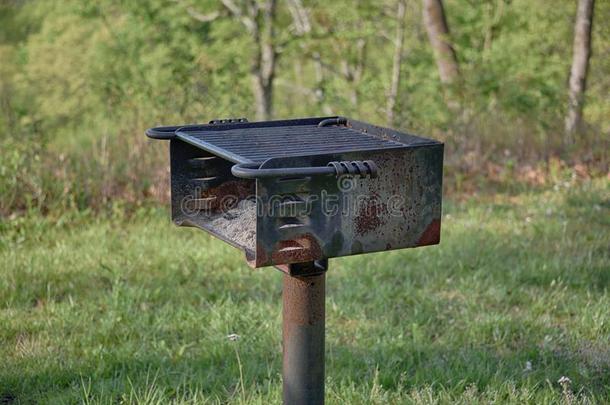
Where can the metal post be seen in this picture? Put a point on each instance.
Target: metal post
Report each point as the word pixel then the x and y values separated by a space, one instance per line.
pixel 303 334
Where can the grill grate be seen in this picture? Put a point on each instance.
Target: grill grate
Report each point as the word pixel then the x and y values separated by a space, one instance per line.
pixel 245 145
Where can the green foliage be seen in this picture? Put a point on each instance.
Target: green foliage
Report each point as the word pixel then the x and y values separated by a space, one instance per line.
pixel 81 80
pixel 128 309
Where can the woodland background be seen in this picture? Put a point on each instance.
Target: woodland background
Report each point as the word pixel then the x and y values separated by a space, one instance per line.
pixel 81 80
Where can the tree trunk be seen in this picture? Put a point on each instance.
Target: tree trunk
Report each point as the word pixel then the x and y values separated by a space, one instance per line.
pixel 397 61
pixel 438 34
pixel 320 89
pixel 353 72
pixel 259 21
pixel 263 74
pixel 302 27
pixel 263 95
pixel 580 67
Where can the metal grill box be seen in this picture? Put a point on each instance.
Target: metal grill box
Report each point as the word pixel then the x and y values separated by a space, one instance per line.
pixel 300 190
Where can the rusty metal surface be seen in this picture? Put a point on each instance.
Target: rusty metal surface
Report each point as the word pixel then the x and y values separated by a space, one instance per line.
pixel 303 339
pixel 283 220
pixel 207 196
pixel 314 218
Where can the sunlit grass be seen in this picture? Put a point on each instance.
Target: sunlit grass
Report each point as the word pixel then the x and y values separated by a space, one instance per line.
pixel 134 310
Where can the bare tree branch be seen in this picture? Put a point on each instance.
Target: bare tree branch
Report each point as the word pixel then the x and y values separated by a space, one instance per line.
pixel 205 18
pixel 248 21
pixel 331 68
pixel 232 7
pixel 300 17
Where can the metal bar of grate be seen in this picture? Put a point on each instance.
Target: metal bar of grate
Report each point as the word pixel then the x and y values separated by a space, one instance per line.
pixel 258 144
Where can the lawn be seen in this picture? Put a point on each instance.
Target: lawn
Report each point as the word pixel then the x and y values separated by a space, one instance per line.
pixel 130 309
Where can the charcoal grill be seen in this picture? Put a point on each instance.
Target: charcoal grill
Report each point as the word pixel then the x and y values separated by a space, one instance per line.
pixel 294 193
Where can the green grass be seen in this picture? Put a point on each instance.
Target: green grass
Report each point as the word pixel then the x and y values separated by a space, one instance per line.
pixel 130 309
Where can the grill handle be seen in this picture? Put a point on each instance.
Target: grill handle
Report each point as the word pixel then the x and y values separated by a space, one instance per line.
pixel 354 168
pixel 163 133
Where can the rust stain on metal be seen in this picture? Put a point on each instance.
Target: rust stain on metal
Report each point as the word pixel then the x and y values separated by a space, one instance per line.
pixel 303 248
pixel 236 189
pixel 432 234
pixel 303 338
pixel 371 214
pixel 303 300
pixel 391 211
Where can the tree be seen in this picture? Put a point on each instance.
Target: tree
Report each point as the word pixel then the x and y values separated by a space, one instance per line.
pixel 258 18
pixel 580 66
pixel 438 34
pixel 399 41
pixel 302 27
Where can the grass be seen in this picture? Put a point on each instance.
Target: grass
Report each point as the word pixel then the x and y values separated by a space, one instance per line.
pixel 129 309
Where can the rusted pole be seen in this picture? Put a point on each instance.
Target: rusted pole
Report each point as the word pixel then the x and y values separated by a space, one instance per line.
pixel 303 335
